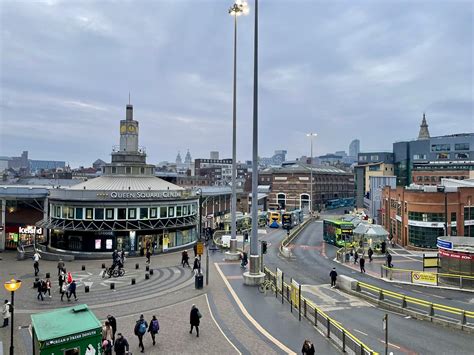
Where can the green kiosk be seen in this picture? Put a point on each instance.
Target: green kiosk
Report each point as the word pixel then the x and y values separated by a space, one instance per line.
pixel 67 331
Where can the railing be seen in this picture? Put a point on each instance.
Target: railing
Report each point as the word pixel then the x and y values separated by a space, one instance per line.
pixel 432 310
pixel 293 234
pixel 318 318
pixel 427 277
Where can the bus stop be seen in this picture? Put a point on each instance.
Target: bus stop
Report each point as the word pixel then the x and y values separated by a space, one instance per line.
pixel 66 331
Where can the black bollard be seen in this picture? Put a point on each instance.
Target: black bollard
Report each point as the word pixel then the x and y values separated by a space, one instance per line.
pixel 112 286
pixel 151 271
pixel 147 276
pixel 147 268
pixel 83 267
pixel 133 281
pixel 137 266
pixel 86 289
pixel 103 266
pixel 48 275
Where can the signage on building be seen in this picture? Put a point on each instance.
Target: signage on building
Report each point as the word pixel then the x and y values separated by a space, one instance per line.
pixel 444 244
pixel 398 218
pixel 456 255
pixel 425 278
pixel 426 224
pixel 141 195
pixel 30 230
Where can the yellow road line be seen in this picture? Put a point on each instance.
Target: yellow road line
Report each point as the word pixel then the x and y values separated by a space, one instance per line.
pixel 250 318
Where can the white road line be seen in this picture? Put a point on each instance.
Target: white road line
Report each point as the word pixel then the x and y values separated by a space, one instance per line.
pixel 417 291
pixel 392 345
pixel 218 326
pixel 438 296
pixel 358 331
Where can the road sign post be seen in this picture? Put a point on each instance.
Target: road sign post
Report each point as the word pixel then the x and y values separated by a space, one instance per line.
pixel 385 327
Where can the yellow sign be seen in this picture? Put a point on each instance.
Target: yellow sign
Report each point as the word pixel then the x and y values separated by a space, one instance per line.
pixel 430 262
pixel 166 242
pixel 295 293
pixel 200 248
pixel 426 278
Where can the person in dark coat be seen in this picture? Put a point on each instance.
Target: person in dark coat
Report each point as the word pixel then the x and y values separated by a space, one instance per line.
pixel 196 266
pixel 61 266
pixel 383 247
pixel 154 328
pixel 41 290
pixel 362 263
pixel 72 291
pixel 148 256
pixel 356 257
pixel 185 258
pixel 370 252
pixel 194 319
pixel 308 348
pixel 195 249
pixel 389 260
pixel 121 346
pixel 333 275
pixel 113 324
pixel 140 329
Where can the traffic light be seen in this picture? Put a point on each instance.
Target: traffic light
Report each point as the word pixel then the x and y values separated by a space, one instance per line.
pixel 264 247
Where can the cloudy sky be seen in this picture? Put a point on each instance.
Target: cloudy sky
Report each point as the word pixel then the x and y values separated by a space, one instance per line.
pixel 343 69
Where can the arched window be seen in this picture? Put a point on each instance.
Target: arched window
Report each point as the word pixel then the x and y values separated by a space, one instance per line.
pixel 304 202
pixel 281 200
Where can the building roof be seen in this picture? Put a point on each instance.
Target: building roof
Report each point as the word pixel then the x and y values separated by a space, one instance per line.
pixel 117 183
pixel 300 167
pixel 63 322
pixel 370 230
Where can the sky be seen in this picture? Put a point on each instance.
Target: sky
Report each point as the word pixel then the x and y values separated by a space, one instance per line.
pixel 342 69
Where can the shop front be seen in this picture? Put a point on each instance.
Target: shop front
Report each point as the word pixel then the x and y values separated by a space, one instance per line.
pixel 456 256
pixel 23 236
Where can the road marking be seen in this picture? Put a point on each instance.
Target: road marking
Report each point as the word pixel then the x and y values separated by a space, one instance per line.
pixel 218 326
pixel 392 345
pixel 249 317
pixel 438 296
pixel 417 291
pixel 358 331
pixel 235 277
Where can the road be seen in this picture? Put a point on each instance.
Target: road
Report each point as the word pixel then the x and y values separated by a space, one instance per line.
pixel 311 266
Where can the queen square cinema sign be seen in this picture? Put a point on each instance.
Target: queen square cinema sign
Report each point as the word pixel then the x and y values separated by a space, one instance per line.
pixel 138 195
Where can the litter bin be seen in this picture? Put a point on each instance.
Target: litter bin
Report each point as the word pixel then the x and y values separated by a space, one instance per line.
pixel 199 281
pixel 348 257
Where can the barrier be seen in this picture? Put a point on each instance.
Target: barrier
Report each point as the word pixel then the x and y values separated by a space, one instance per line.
pixel 284 250
pixel 306 308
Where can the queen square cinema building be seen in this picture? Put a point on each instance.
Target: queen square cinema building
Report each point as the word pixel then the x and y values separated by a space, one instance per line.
pixel 126 208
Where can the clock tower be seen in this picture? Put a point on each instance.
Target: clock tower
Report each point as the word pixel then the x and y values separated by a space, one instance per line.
pixel 129 132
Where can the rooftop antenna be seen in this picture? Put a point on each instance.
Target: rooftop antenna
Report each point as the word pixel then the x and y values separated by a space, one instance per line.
pixel 129 97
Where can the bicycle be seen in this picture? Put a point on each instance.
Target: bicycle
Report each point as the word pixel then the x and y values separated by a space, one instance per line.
pixel 113 272
pixel 267 285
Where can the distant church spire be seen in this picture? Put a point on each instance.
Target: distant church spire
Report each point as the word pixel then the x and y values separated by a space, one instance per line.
pixel 178 158
pixel 424 133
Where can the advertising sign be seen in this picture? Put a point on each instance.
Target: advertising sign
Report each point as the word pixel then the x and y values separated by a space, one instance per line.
pixel 456 255
pixel 279 277
pixel 425 278
pixel 98 244
pixel 295 293
pixel 444 244
pixel 200 248
pixel 166 242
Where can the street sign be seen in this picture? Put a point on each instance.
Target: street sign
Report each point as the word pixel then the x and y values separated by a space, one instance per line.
pixel 200 248
pixel 424 278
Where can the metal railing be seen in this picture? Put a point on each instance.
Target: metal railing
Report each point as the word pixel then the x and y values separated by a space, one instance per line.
pixel 293 234
pixel 430 309
pixel 318 318
pixel 427 277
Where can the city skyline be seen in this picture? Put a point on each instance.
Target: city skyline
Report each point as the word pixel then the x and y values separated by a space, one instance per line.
pixel 340 71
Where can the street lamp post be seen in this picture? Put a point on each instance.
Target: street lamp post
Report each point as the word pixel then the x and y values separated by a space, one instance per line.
pixel 311 135
pixel 443 189
pixel 12 286
pixel 237 9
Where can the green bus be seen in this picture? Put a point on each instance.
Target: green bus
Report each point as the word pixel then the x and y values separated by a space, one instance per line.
pixel 338 232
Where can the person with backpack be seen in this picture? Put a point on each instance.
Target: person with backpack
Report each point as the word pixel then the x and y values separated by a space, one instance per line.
pixel 195 319
pixel 140 329
pixel 154 328
pixel 72 291
pixel 6 313
pixel 121 346
pixel 308 348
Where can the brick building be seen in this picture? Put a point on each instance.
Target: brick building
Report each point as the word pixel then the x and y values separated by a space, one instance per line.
pixel 415 216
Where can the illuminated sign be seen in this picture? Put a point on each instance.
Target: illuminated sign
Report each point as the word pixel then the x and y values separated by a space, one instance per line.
pixel 30 230
pixel 144 195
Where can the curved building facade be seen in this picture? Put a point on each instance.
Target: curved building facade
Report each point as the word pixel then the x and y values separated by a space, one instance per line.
pixel 126 208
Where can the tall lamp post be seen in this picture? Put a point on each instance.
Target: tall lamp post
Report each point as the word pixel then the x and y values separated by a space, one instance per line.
pixel 239 8
pixel 443 189
pixel 311 135
pixel 12 286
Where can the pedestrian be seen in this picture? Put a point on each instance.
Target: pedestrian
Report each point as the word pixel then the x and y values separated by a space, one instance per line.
pixel 113 324
pixel 389 260
pixel 196 266
pixel 308 348
pixel 154 328
pixel 333 275
pixel 155 245
pixel 195 249
pixel 41 290
pixel 356 257
pixel 107 331
pixel 69 278
pixel 140 329
pixel 122 257
pixel 106 347
pixel 121 346
pixel 61 266
pixel 62 278
pixel 72 291
pixel 370 252
pixel 148 256
pixel 48 288
pixel 362 264
pixel 383 247
pixel 36 267
pixel 114 255
pixel 245 260
pixel 195 319
pixel 351 253
pixel 6 313
pixel 63 290
pixel 185 258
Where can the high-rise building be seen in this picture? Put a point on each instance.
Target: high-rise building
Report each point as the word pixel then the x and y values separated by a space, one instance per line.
pixel 354 148
pixel 214 155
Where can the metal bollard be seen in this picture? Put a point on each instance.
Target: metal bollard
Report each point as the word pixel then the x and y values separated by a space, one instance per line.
pixel 83 267
pixel 86 289
pixel 305 307
pixel 103 266
pixel 151 271
pixel 380 295
pixel 133 282
pixel 147 268
pixel 315 317
pixel 431 311
pixel 343 341
pixel 328 325
pixel 137 266
pixel 147 276
pixel 404 302
pixel 463 318
pixel 112 286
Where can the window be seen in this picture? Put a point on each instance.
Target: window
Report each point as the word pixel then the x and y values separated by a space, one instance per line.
pixel 442 156
pixel 99 213
pixel 419 156
pixel 424 237
pixel 121 213
pixel 281 200
pixel 109 213
pixel 163 212
pixel 170 211
pixel 153 212
pixel 363 158
pixel 79 212
pixel 440 147
pixel 374 157
pixel 468 213
pixel 132 213
pixel 461 155
pixel 426 217
pixel 375 168
pixel 70 212
pixel 178 211
pixel 128 170
pixel 453 216
pixel 89 213
pixel 461 146
pixel 142 170
pixel 114 170
pixel 185 210
pixel 143 213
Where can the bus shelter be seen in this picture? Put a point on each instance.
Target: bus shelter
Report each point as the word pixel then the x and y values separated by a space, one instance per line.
pixel 370 235
pixel 66 331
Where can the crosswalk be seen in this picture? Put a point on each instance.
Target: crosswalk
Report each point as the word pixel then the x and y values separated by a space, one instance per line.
pixel 329 299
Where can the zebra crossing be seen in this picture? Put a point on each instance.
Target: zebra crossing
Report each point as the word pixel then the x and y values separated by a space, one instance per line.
pixel 329 299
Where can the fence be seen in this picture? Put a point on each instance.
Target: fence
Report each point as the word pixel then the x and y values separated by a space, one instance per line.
pixel 307 309
pixel 464 318
pixel 427 278
pixel 293 234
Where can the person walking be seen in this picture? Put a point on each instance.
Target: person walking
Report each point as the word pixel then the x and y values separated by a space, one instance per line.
pixel 113 324
pixel 196 266
pixel 61 266
pixel 140 329
pixel 389 260
pixel 121 346
pixel 63 290
pixel 36 266
pixel 356 257
pixel 148 256
pixel 370 252
pixel 6 313
pixel 245 260
pixel 41 290
pixel 107 331
pixel 185 258
pixel 308 348
pixel 154 328
pixel 333 275
pixel 72 291
pixel 107 347
pixel 362 264
pixel 62 278
pixel 195 319
pixel 122 257
pixel 195 249
pixel 48 288
pixel 383 247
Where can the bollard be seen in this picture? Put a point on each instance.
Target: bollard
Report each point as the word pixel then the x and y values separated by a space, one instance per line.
pixel 404 302
pixel 328 325
pixel 305 307
pixel 137 266
pixel 315 317
pixel 380 295
pixel 343 341
pixel 147 276
pixel 83 267
pixel 147 268
pixel 151 271
pixel 86 289
pixel 431 312
pixel 463 318
pixel 103 266
pixel 36 283
pixel 112 286
pixel 133 281
pixel 48 275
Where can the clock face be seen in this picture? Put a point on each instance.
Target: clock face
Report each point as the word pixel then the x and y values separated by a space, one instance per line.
pixel 131 128
pixel 123 128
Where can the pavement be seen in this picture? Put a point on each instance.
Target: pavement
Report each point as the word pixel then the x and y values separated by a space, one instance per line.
pixel 310 266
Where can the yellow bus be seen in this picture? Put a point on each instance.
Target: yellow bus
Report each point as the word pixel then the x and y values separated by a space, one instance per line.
pixel 274 219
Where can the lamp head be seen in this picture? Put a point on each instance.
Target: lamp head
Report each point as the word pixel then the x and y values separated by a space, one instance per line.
pixel 239 8
pixel 12 285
